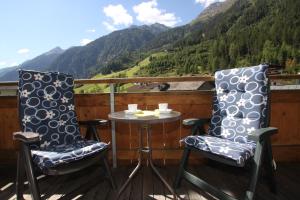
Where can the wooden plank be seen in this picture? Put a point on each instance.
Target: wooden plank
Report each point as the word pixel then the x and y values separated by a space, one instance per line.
pixel 285 115
pixel 157 79
pixel 136 192
pixel 147 183
pixel 67 186
pixel 159 190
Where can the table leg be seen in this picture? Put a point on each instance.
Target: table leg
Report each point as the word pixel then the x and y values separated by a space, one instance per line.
pixel 138 165
pixel 149 134
pixel 147 150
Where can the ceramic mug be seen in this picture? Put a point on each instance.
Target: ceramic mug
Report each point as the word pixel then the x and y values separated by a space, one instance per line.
pixel 163 106
pixel 132 107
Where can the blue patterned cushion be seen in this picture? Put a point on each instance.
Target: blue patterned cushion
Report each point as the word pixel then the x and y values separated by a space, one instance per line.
pixel 46 106
pixel 235 151
pixel 53 156
pixel 240 106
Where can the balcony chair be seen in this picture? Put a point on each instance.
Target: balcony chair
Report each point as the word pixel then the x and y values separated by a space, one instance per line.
pixel 239 132
pixel 50 139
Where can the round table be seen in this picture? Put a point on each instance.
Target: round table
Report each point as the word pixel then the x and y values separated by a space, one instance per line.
pixel 144 123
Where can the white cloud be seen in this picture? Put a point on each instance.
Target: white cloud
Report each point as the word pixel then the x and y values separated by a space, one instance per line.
pixel 91 30
pixel 23 51
pixel 118 15
pixel 2 63
pixel 85 41
pixel 14 64
pixel 148 13
pixel 109 26
pixel 206 3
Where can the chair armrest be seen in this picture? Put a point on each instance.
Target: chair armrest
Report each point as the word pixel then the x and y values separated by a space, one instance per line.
pixel 91 125
pixel 194 121
pixel 26 137
pixel 262 133
pixel 197 124
pixel 93 122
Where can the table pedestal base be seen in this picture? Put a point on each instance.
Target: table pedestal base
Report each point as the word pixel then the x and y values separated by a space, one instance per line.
pixel 145 149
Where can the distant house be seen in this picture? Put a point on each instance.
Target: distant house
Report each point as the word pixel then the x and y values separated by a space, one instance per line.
pixel 8 90
pixel 172 86
pixel 143 87
pixel 285 87
pixel 191 85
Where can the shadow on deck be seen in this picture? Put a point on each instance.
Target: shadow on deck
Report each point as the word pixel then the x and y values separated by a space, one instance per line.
pixel 90 183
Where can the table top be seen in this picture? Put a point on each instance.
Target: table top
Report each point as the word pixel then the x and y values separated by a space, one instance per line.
pixel 152 119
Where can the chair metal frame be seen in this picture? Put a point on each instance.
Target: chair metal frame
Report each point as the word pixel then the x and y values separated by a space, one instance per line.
pixel 261 136
pixel 25 165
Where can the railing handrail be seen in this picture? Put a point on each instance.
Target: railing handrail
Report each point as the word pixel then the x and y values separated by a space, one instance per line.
pixel 156 79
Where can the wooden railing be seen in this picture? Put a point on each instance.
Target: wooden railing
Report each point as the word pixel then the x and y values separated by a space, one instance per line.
pixel 285 115
pixel 155 79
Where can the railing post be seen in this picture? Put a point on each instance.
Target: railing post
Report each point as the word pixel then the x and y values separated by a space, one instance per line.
pixel 113 125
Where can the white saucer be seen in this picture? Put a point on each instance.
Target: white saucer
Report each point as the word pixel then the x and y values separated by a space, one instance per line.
pixel 166 111
pixel 129 112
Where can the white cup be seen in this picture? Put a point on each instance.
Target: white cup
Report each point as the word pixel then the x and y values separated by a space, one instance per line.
pixel 132 107
pixel 163 106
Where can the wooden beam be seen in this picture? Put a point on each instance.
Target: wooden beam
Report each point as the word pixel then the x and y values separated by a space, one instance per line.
pixel 156 79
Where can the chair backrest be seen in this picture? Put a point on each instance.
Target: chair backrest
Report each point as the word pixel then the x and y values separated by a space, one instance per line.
pixel 46 106
pixel 241 103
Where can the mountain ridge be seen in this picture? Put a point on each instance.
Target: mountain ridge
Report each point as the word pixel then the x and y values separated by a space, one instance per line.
pixel 40 63
pixel 82 62
pixel 228 34
pixel 212 10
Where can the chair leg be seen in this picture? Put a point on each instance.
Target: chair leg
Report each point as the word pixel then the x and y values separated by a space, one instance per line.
pixel 270 167
pixel 30 174
pixel 95 133
pixel 20 176
pixel 255 171
pixel 183 164
pixel 108 171
pixel 88 133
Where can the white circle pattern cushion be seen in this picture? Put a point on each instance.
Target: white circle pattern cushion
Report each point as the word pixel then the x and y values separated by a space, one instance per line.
pixel 46 106
pixel 240 106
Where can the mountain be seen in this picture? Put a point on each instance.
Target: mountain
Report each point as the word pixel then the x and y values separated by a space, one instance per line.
pixel 213 10
pixel 41 63
pixel 6 69
pixel 246 33
pixel 168 38
pixel 229 34
pixel 110 52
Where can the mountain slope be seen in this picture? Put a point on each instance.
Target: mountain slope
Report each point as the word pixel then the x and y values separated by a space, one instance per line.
pixel 41 62
pixel 229 34
pixel 167 39
pixel 248 33
pixel 213 9
pixel 102 53
pixel 44 60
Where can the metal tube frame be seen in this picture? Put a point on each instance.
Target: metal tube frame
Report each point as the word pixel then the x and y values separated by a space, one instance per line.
pixel 148 150
pixel 113 125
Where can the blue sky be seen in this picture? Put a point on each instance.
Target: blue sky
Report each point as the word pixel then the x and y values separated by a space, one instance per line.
pixel 29 28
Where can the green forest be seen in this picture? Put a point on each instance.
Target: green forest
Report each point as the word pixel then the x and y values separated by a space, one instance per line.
pixel 249 33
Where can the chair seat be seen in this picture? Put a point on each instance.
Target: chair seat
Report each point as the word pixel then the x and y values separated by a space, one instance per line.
pixel 57 155
pixel 234 151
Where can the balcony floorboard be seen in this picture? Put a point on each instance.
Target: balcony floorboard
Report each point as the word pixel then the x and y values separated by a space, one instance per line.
pixel 90 183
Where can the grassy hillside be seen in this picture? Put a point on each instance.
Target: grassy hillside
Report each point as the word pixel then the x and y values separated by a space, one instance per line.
pixel 137 70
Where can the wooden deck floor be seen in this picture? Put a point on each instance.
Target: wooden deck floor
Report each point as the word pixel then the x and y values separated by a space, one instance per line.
pixel 90 184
